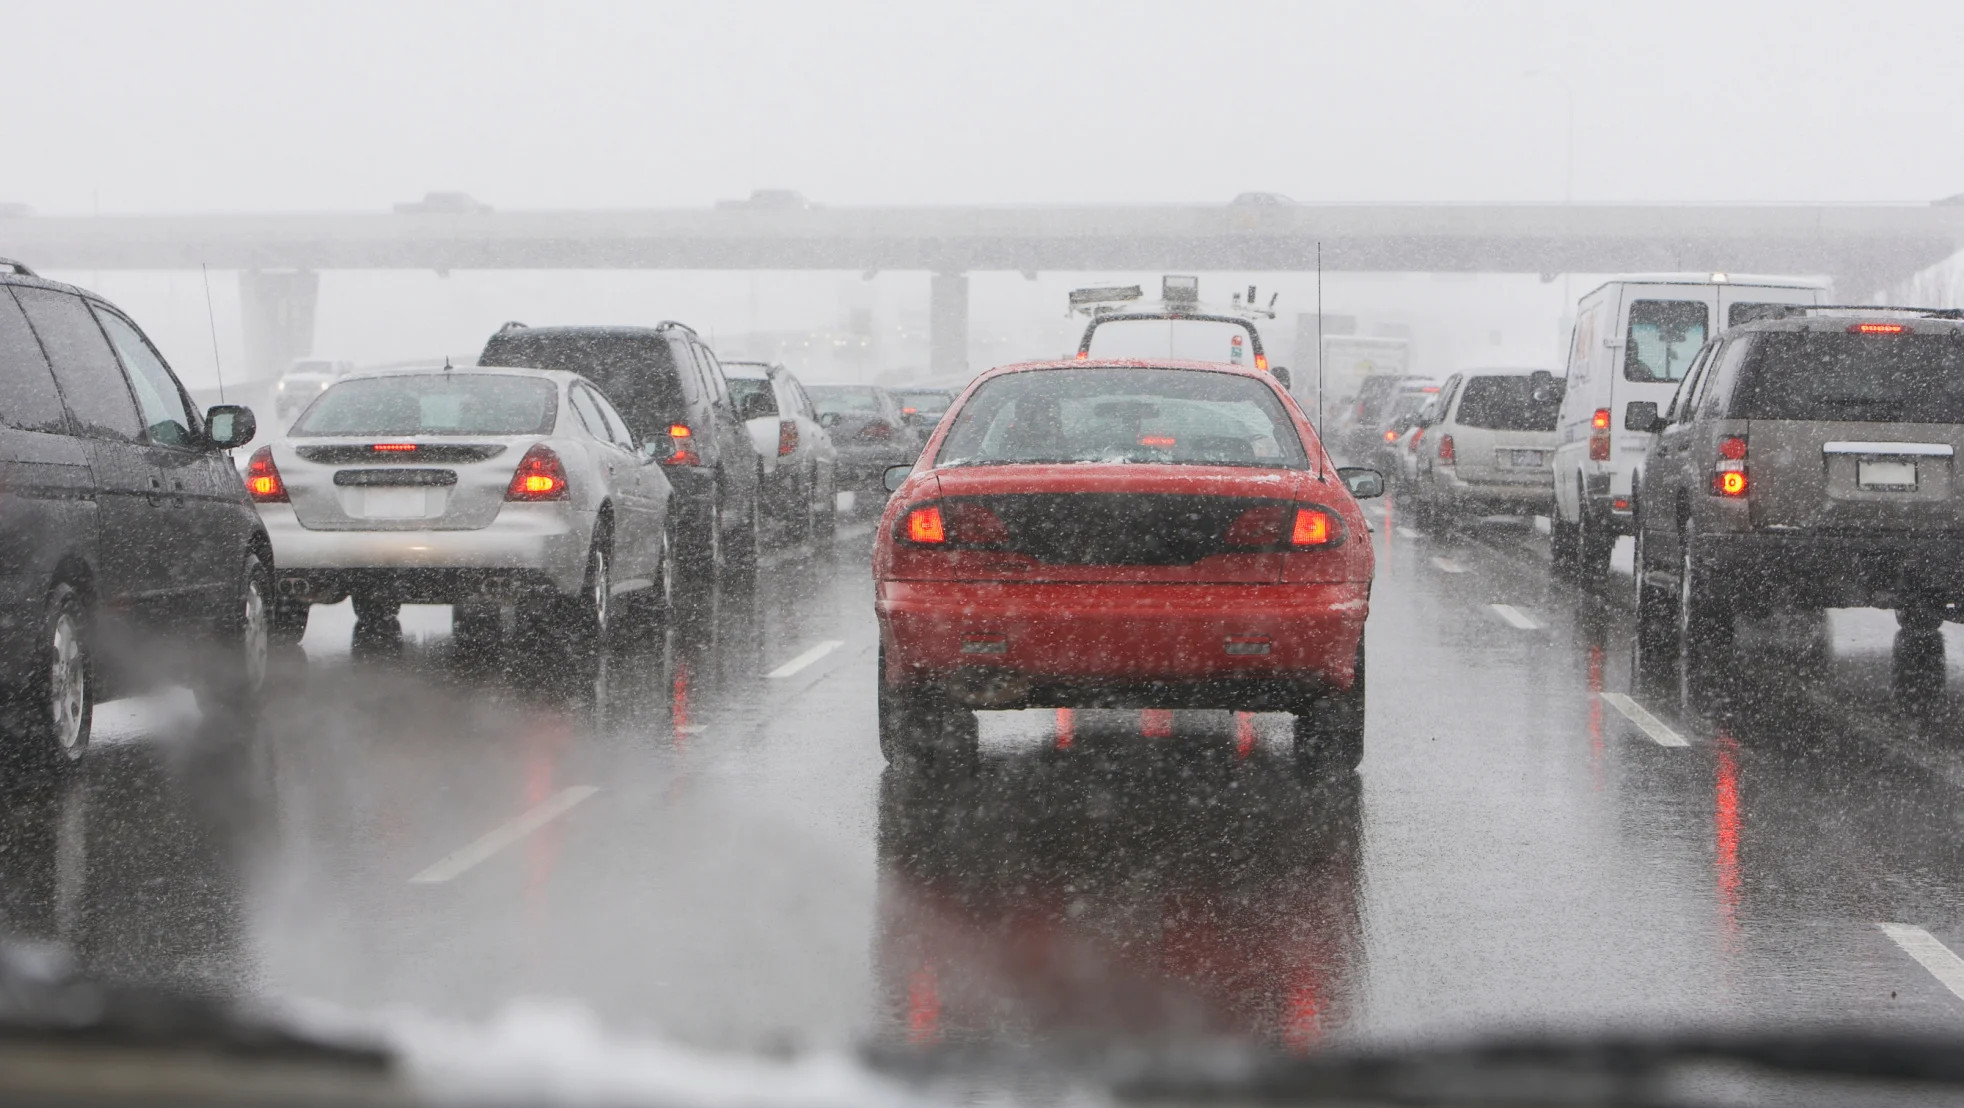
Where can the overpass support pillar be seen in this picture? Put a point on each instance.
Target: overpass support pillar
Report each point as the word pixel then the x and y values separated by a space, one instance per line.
pixel 277 313
pixel 947 324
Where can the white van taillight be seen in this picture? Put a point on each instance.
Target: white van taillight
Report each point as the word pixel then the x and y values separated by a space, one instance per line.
pixel 1599 435
pixel 1729 477
pixel 1446 453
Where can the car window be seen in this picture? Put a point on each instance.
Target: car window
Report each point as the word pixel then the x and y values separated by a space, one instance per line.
pixel 433 404
pixel 1682 399
pixel 1663 336
pixel 1894 378
pixel 1747 311
pixel 1448 393
pixel 743 388
pixel 85 366
pixel 617 429
pixel 29 400
pixel 589 415
pixel 167 419
pixel 712 373
pixel 846 400
pixel 1506 403
pixel 635 370
pixel 1171 416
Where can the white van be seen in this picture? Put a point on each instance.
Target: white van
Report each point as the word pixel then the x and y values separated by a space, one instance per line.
pixel 1634 338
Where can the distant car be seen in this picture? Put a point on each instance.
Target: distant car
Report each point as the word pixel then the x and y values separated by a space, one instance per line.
pixel 1805 463
pixel 131 553
pixel 782 200
pixel 800 465
pixel 443 203
pixel 1399 417
pixel 1260 200
pixel 1489 451
pixel 298 386
pixel 1357 430
pixel 479 488
pixel 672 391
pixel 871 433
pixel 1123 534
pixel 924 407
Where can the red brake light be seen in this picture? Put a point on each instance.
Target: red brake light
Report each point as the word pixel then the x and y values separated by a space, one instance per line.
pixel 1878 329
pixel 1083 354
pixel 1157 440
pixel 787 436
pixel 1600 420
pixel 878 429
pixel 1446 453
pixel 1312 528
pixel 924 525
pixel 1729 476
pixel 1730 483
pixel 1261 362
pixel 1599 435
pixel 1416 439
pixel 540 476
pixel 263 478
pixel 1391 436
pixel 684 440
pixel 394 448
pixel 1733 447
pixel 910 411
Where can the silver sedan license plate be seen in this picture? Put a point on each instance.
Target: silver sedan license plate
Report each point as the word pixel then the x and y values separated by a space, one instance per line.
pixel 1885 475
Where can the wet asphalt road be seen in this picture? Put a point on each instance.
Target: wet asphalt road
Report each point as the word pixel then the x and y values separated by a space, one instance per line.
pixel 707 846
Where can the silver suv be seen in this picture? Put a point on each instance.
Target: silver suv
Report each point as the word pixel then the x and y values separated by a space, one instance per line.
pixel 1806 462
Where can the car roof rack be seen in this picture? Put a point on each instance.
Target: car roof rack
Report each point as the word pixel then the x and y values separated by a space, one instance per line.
pixel 1788 310
pixel 673 325
pixel 18 267
pixel 513 325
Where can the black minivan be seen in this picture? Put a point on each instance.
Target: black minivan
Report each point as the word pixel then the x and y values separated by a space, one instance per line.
pixel 670 388
pixel 129 553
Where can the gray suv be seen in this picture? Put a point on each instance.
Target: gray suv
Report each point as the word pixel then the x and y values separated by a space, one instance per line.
pixel 1806 462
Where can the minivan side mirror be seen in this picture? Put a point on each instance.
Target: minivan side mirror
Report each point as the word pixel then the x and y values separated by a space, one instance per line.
pixel 896 476
pixel 1362 483
pixel 229 426
pixel 1641 415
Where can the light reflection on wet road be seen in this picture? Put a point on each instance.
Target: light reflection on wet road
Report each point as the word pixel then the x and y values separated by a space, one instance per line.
pixel 707 844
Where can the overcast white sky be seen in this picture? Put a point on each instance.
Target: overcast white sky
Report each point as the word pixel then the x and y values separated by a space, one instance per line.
pixel 171 106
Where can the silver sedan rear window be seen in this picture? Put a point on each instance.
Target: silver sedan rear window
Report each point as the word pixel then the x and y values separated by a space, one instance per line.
pixel 433 404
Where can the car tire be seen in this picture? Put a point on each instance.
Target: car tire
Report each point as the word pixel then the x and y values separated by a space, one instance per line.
pixel 741 567
pixel 921 729
pixel 587 616
pixel 1917 665
pixel 1920 618
pixel 1704 619
pixel 1329 731
pixel 1561 545
pixel 289 621
pixel 238 666
pixel 701 550
pixel 53 714
pixel 1656 637
pixel 1593 544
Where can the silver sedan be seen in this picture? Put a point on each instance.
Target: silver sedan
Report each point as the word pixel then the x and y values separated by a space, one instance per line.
pixel 510 493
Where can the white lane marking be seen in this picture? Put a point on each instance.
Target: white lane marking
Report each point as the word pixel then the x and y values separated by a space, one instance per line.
pixel 1919 944
pixel 498 838
pixel 1515 616
pixel 1637 714
pixel 1407 533
pixel 692 729
pixel 807 658
pixel 1447 565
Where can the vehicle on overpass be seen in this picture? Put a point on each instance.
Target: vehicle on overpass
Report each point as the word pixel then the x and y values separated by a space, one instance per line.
pixel 796 458
pixel 485 489
pixel 671 388
pixel 1806 462
pixel 1123 534
pixel 1634 338
pixel 132 556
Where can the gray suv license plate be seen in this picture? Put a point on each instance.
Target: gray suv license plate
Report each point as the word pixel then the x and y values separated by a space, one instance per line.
pixel 1885 475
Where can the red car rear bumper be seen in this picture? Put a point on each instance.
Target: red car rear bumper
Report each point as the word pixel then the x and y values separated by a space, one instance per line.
pixel 1159 645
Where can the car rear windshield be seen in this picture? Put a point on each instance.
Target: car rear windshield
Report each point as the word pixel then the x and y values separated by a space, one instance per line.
pixel 843 400
pixel 929 401
pixel 1507 404
pixel 635 371
pixel 1173 416
pixel 433 404
pixel 1905 378
pixel 743 388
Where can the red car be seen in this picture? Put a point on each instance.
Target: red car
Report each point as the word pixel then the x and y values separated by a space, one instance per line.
pixel 1114 534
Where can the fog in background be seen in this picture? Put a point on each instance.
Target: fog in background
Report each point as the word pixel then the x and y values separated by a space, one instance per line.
pixel 181 107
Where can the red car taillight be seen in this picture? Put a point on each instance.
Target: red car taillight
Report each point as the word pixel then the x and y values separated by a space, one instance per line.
pixel 879 429
pixel 1729 475
pixel 1314 527
pixel 540 476
pixel 1412 448
pixel 683 449
pixel 955 523
pixel 1446 454
pixel 1599 435
pixel 1307 525
pixel 787 436
pixel 263 482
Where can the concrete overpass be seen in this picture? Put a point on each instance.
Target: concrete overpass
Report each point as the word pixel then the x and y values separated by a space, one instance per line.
pixel 279 256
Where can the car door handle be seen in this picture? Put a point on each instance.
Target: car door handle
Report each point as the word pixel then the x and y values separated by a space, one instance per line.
pixel 156 496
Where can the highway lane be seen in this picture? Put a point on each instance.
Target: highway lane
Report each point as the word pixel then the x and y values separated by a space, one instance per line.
pixel 706 845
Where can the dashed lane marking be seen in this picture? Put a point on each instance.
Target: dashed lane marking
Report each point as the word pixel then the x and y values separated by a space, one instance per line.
pixel 807 658
pixel 498 838
pixel 1407 533
pixel 1943 964
pixel 1657 729
pixel 1447 565
pixel 1515 616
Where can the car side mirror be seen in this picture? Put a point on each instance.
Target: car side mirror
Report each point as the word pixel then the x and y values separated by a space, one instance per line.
pixel 1641 415
pixel 658 448
pixel 1281 375
pixel 229 426
pixel 828 419
pixel 896 476
pixel 1362 483
pixel 1543 387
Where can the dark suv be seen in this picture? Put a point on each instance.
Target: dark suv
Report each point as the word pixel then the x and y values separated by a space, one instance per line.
pixel 670 388
pixel 128 550
pixel 1806 462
